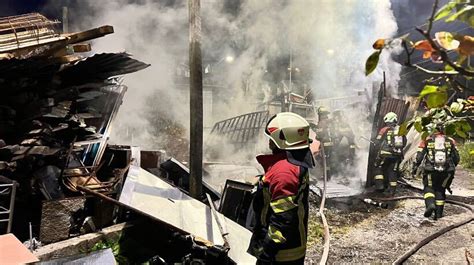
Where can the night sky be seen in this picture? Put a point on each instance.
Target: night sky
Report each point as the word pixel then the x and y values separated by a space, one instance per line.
pixel 15 7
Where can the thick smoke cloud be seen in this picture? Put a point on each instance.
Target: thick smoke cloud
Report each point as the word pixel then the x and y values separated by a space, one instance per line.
pixel 330 39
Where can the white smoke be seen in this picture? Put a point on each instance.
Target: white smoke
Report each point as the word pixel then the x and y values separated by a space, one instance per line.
pixel 329 39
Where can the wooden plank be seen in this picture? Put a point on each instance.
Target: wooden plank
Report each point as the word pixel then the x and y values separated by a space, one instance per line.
pixel 83 47
pixel 89 34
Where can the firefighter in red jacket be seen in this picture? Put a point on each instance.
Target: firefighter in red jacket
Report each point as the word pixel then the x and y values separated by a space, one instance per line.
pixel 281 200
pixel 439 157
pixel 390 146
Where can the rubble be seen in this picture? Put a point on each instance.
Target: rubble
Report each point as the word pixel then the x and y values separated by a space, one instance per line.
pixel 56 111
pixel 58 218
pixel 152 195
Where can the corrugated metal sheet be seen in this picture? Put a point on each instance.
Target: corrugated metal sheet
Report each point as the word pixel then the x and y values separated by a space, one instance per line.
pixel 400 107
pixel 100 67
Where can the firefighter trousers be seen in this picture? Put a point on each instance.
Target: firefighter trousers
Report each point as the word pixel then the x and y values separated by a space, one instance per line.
pixel 434 191
pixel 386 174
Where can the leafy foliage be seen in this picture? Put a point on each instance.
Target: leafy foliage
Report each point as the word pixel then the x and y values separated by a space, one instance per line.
pixel 115 246
pixel 467 155
pixel 453 119
pixel 457 10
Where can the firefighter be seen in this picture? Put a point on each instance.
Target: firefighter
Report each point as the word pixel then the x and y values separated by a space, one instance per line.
pixel 438 156
pixel 343 130
pixel 281 201
pixel 390 153
pixel 325 134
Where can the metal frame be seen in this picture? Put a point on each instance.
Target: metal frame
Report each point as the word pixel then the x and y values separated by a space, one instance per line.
pixel 243 128
pixel 4 189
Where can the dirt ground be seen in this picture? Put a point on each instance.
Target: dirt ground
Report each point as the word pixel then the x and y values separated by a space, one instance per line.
pixel 362 233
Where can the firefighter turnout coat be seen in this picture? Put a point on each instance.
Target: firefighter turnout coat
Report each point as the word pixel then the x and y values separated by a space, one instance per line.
pixel 281 211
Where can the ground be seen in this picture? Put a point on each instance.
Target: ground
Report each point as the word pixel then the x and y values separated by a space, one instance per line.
pixel 363 233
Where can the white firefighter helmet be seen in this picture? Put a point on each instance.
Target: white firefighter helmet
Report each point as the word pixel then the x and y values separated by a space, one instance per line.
pixel 289 131
pixel 390 117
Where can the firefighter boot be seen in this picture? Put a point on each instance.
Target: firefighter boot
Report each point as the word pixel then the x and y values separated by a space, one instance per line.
pixel 392 188
pixel 439 211
pixel 430 207
pixel 379 182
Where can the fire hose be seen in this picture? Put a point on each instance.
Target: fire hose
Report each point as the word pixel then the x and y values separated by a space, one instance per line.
pixel 436 234
pixel 324 256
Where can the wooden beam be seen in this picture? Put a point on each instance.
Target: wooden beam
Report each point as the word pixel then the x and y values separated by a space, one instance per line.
pixel 83 47
pixel 196 105
pixel 89 34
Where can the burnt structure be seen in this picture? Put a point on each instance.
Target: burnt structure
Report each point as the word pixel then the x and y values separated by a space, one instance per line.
pixel 56 112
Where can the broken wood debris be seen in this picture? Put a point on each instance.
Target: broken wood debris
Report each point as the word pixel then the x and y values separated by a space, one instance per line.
pixel 56 113
pixel 57 108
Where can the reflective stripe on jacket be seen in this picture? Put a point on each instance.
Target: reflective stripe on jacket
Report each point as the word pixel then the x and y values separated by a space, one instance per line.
pixel 281 210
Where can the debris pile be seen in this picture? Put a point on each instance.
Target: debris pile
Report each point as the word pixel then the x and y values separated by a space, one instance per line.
pixel 56 111
pixel 61 183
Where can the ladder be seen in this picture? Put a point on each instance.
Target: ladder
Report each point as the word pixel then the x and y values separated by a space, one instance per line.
pixel 6 214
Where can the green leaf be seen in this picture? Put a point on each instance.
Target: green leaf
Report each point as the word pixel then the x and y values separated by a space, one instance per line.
pixel 461 133
pixel 465 126
pixel 424 135
pixel 437 100
pixel 450 129
pixel 403 129
pixel 445 10
pixel 471 152
pixel 464 10
pixel 448 68
pixel 372 62
pixel 418 126
pixel 428 89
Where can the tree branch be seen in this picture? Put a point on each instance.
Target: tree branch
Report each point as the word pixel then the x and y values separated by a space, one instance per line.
pixel 442 53
pixel 431 19
pixel 409 53
pixel 434 72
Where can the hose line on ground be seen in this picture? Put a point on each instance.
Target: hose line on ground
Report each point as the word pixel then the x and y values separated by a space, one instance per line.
pixel 324 256
pixel 435 235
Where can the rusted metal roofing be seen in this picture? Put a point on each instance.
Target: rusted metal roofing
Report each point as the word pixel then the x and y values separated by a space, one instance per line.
pixel 400 107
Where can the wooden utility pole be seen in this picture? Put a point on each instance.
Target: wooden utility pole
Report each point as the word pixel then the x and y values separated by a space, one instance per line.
pixel 196 108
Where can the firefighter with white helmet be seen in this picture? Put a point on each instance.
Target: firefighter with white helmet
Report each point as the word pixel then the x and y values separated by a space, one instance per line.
pixel 390 153
pixel 281 200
